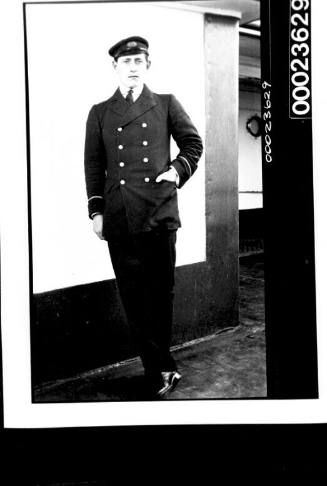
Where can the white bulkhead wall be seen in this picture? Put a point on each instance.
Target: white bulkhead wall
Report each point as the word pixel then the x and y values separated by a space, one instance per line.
pixel 69 71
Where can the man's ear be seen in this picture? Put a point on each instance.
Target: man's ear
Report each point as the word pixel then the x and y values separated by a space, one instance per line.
pixel 114 64
pixel 148 64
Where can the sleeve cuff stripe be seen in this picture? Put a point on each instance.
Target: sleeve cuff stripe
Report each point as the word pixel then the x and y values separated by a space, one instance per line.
pixel 95 197
pixel 187 162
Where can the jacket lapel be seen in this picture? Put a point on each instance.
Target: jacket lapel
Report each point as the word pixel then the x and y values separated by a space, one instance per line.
pixel 118 104
pixel 128 113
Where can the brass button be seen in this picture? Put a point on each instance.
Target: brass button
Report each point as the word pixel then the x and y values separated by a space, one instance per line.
pixel 122 182
pixel 145 142
pixel 120 147
pixel 145 159
pixel 121 164
pixel 119 129
pixel 144 125
pixel 147 179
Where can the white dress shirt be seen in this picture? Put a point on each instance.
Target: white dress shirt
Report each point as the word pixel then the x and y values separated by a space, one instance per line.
pixel 136 91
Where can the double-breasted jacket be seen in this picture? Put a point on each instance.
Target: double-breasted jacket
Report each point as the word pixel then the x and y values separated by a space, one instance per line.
pixel 126 148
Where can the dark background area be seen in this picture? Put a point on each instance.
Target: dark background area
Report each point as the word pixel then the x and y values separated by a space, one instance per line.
pixel 105 456
pixel 288 227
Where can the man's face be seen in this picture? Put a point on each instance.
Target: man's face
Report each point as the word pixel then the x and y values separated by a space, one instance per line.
pixel 131 69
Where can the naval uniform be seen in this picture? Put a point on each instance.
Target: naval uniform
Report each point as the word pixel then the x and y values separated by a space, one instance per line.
pixel 126 148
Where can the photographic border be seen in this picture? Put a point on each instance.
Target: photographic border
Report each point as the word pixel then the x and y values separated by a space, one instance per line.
pixel 284 357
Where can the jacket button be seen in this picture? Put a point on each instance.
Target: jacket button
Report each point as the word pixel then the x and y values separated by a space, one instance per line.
pixel 121 164
pixel 145 159
pixel 147 179
pixel 119 129
pixel 120 147
pixel 144 125
pixel 145 142
pixel 122 181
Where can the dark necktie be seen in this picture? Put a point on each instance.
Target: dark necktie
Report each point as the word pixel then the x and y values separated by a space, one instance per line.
pixel 129 97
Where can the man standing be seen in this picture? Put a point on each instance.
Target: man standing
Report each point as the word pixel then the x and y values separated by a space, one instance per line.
pixel 132 198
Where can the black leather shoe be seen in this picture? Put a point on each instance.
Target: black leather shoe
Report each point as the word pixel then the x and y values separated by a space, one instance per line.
pixel 170 380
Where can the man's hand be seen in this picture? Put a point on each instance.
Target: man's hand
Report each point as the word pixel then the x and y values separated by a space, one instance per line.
pixel 170 175
pixel 98 225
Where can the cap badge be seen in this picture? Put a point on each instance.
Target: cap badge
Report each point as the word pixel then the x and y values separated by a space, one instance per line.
pixel 132 44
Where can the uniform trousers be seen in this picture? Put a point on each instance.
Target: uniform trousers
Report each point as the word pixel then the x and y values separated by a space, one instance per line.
pixel 144 265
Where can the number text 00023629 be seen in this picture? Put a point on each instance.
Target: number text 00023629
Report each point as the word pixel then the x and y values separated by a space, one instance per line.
pixel 267 120
pixel 300 92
